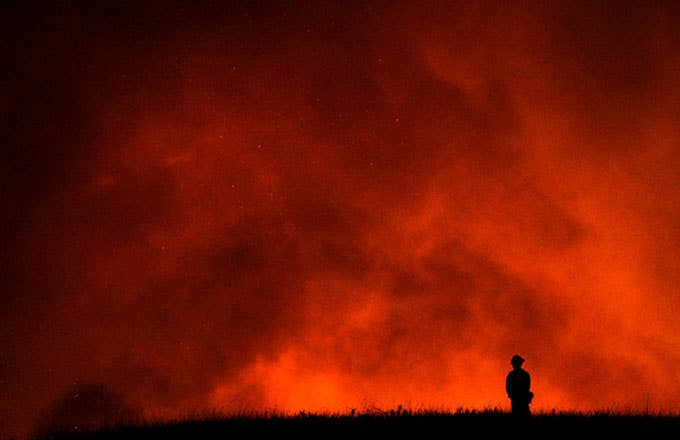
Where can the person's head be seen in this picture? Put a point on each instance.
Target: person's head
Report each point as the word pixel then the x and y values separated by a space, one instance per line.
pixel 517 361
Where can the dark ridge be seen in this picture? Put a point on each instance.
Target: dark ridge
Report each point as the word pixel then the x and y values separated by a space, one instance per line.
pixel 395 424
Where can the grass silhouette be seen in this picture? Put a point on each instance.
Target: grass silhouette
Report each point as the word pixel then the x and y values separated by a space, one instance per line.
pixel 394 423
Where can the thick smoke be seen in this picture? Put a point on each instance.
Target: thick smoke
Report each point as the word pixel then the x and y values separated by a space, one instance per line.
pixel 278 206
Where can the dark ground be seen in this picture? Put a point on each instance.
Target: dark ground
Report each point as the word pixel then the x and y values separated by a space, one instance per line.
pixel 463 425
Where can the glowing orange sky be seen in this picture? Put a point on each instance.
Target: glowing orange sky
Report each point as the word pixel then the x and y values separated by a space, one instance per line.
pixel 341 206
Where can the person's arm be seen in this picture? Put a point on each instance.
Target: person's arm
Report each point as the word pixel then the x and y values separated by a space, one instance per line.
pixel 508 386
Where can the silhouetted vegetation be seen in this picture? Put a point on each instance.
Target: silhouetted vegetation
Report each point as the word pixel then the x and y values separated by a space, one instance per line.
pixel 85 407
pixel 396 423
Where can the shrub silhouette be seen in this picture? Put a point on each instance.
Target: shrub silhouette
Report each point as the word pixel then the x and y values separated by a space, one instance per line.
pixel 85 407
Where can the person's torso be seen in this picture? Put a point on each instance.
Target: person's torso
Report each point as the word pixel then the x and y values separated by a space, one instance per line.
pixel 519 381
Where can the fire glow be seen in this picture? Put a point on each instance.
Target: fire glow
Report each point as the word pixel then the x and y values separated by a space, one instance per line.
pixel 332 208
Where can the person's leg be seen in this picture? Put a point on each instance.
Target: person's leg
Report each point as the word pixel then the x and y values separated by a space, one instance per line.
pixel 520 408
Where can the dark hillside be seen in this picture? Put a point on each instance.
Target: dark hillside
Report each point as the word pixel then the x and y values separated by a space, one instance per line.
pixel 464 425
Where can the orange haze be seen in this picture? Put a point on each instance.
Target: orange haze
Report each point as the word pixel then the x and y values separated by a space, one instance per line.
pixel 339 206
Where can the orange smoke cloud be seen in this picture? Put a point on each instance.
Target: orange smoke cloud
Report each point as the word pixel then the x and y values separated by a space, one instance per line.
pixel 263 206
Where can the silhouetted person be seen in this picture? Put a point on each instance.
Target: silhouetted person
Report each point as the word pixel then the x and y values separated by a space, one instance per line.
pixel 517 385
